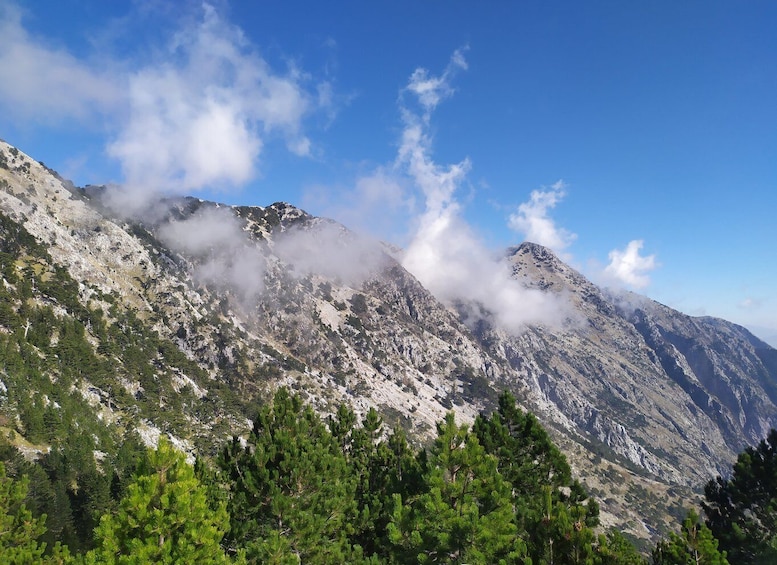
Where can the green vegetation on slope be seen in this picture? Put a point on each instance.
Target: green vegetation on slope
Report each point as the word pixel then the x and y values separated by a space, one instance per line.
pixel 79 375
pixel 305 490
pixel 301 489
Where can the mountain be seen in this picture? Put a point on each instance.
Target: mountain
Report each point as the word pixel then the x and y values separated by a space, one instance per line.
pixel 182 318
pixel 675 395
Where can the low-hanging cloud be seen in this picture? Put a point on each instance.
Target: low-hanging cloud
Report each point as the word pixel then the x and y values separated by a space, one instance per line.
pixel 200 115
pixel 444 253
pixel 533 220
pixel 330 250
pixel 628 267
pixel 379 203
pixel 224 257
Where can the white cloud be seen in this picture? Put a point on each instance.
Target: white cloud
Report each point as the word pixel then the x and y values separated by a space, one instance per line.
pixel 750 303
pixel 199 117
pixel 452 262
pixel 629 267
pixel 431 90
pixel 330 250
pixel 42 83
pixel 386 197
pixel 533 221
pixel 444 254
pixel 196 112
pixel 379 203
pixel 225 257
pixel 437 183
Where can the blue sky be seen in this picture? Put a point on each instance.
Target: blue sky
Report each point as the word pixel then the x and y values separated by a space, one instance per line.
pixel 639 140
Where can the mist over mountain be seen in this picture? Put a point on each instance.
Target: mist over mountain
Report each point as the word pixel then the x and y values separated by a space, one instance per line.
pixel 205 309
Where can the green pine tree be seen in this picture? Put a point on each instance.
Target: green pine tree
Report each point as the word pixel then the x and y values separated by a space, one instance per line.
pixel 292 488
pixel 165 517
pixel 466 515
pixel 694 545
pixel 614 548
pixel 19 531
pixel 383 468
pixel 552 511
pixel 528 458
pixel 742 510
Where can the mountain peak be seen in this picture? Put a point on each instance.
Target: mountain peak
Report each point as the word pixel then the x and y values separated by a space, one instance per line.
pixel 530 247
pixel 537 266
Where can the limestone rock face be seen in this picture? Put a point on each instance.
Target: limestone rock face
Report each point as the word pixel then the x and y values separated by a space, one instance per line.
pixel 642 398
pixel 674 394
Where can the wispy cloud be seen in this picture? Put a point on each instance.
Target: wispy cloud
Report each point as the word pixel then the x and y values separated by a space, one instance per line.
pixel 431 90
pixel 629 267
pixel 330 250
pixel 533 219
pixel 444 253
pixel 379 203
pixel 46 84
pixel 751 303
pixel 225 258
pixel 385 200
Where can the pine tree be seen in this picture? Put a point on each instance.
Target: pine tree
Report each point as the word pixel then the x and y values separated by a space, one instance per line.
pixel 165 517
pixel 742 510
pixel 81 490
pixel 553 513
pixel 694 545
pixel 383 468
pixel 614 549
pixel 466 514
pixel 292 488
pixel 19 531
pixel 528 458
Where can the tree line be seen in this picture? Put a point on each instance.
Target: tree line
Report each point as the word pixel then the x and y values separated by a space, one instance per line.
pixel 302 489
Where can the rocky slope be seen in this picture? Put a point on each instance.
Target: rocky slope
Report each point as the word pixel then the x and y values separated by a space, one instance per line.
pixel 675 395
pixel 648 403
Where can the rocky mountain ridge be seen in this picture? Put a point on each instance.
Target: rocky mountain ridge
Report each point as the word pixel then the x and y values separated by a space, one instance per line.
pixel 647 402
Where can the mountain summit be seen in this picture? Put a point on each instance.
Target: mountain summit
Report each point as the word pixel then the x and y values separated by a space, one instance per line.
pixel 184 319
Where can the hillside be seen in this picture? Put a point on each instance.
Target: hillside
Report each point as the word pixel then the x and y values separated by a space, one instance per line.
pixel 184 318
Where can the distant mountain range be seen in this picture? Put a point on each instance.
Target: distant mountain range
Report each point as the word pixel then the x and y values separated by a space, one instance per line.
pixel 203 309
